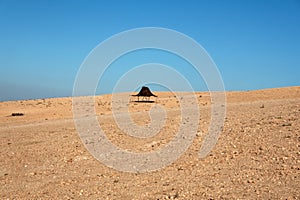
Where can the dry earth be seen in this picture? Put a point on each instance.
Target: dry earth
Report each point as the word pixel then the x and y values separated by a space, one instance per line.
pixel 256 157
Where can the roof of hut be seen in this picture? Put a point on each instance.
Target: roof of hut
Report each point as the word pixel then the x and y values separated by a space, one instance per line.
pixel 145 91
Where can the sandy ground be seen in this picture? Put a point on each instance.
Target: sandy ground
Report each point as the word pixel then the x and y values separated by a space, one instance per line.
pixel 256 157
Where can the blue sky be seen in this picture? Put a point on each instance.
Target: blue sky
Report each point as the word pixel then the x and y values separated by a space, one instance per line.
pixel 254 43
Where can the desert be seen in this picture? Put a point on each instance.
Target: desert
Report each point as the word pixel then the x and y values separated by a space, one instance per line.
pixel 257 155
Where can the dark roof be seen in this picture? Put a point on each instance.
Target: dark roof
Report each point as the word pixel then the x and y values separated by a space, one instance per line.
pixel 145 91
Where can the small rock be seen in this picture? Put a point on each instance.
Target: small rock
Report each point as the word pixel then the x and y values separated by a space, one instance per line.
pixel 17 114
pixel 32 173
pixel 116 181
pixel 179 168
pixel 287 124
pixel 198 134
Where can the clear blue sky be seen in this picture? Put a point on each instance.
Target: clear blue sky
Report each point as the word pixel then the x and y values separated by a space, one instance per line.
pixel 255 43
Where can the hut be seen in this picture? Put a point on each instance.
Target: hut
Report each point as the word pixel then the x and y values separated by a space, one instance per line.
pixel 145 94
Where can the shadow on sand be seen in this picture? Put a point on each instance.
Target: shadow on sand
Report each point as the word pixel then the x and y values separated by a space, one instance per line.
pixel 146 101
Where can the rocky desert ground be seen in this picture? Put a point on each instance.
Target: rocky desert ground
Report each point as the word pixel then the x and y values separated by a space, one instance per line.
pixel 257 155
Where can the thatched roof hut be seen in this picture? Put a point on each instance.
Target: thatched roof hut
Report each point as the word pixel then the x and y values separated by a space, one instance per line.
pixel 145 93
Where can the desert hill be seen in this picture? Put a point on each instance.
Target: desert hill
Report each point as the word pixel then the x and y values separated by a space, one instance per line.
pixel 256 157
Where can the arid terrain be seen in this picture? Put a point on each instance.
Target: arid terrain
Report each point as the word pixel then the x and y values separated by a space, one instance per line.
pixel 257 155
